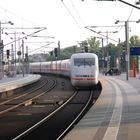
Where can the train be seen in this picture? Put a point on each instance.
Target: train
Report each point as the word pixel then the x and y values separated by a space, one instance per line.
pixel 81 68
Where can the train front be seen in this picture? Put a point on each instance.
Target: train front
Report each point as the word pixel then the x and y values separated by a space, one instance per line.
pixel 84 70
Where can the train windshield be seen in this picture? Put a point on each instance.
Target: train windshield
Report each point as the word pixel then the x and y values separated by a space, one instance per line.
pixel 84 61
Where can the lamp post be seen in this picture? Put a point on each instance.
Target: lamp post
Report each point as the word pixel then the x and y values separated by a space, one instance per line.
pixel 1 49
pixel 127 45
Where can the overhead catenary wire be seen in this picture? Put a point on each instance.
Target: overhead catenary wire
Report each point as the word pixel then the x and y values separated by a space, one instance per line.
pixel 101 34
pixel 130 14
pixel 44 46
pixel 78 15
pixel 17 16
pixel 41 29
pixel 73 17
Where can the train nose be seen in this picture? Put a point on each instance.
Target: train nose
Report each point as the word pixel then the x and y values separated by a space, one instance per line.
pixel 83 82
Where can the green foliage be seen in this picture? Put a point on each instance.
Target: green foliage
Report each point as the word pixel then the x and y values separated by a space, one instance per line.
pixel 134 41
pixel 93 45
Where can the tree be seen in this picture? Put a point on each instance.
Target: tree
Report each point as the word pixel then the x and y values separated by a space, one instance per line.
pixel 114 53
pixel 93 45
pixel 134 41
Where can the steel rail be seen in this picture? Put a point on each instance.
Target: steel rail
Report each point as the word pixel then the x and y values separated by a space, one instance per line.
pixel 46 118
pixel 19 96
pixel 29 101
pixel 78 116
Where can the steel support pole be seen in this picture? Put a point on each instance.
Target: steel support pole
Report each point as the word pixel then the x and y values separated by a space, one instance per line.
pixel 23 72
pixel 103 57
pixel 127 48
pixel 0 54
pixel 107 51
pixel 15 55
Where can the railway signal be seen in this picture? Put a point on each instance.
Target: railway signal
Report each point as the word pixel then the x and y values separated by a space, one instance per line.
pixel 86 48
pixel 8 53
pixel 55 52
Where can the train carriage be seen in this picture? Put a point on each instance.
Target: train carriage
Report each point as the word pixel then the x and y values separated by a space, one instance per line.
pixel 82 68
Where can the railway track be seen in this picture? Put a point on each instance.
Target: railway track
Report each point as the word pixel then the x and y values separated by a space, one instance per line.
pixel 22 116
pixel 43 111
pixel 56 125
pixel 27 97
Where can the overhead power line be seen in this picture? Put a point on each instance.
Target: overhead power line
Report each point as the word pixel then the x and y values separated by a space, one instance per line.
pixel 74 7
pixel 72 16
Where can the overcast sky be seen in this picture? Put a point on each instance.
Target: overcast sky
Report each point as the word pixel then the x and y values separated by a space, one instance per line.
pixel 66 20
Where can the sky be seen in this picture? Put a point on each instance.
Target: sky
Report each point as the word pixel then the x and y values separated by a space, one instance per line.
pixel 66 20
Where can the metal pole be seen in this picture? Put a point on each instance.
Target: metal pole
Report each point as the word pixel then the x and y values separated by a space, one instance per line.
pixel 23 57
pixel 127 49
pixel 102 54
pixel 0 54
pixel 12 58
pixel 0 30
pixel 107 51
pixel 27 60
pixel 15 54
pixel 58 49
pixel 19 56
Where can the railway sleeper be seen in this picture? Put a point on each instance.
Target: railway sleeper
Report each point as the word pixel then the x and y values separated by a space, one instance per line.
pixel 48 102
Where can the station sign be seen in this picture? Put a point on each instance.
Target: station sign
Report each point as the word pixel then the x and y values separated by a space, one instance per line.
pixel 135 51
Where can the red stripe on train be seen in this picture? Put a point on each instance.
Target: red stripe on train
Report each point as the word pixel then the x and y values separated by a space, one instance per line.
pixel 79 78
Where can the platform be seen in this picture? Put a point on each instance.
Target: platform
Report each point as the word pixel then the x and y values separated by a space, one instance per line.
pixel 12 83
pixel 115 115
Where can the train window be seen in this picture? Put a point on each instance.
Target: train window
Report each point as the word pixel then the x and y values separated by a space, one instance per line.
pixel 84 61
pixel 89 61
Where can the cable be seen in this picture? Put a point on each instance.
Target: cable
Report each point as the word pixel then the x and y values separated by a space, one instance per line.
pixel 130 14
pixel 101 34
pixel 17 16
pixel 72 16
pixel 77 12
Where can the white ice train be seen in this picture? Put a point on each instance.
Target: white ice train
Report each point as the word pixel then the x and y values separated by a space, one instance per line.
pixel 82 68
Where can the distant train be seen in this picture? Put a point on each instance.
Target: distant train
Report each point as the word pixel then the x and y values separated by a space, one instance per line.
pixel 82 68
